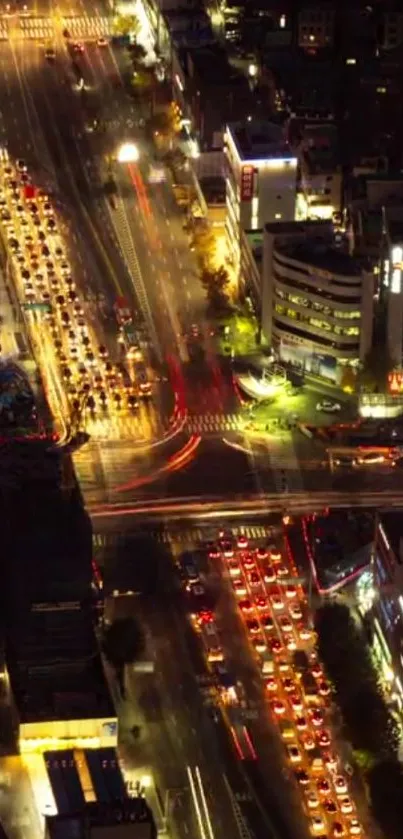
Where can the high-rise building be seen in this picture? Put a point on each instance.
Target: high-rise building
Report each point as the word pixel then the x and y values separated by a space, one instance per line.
pixel 261 179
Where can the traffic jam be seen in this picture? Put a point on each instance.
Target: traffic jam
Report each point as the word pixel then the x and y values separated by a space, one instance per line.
pixel 274 613
pixel 79 373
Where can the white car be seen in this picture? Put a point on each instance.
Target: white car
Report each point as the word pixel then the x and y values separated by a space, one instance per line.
pixel 328 406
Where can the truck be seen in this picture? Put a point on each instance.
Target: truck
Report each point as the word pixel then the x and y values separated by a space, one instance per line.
pixel 310 688
pixel 300 662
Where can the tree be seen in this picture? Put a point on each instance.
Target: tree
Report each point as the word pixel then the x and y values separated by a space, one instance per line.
pixel 164 123
pixel 385 783
pixel 126 25
pixel 343 648
pixel 123 643
pixel 378 363
pixel 216 284
pixel 205 244
pixel 137 54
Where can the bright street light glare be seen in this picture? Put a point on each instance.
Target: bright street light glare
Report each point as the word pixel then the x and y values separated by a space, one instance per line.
pixel 127 153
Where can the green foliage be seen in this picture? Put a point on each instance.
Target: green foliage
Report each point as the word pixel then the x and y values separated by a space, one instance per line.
pixel 126 25
pixel 342 647
pixel 215 283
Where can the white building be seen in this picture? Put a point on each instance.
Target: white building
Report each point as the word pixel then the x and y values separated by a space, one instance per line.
pixel 392 280
pixel 317 304
pixel 261 180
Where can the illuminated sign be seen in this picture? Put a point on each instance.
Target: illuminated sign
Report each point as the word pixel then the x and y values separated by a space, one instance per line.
pixel 247 183
pixel 395 382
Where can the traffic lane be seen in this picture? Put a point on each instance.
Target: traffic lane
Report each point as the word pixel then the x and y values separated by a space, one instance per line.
pixel 15 125
pixel 179 659
pixel 271 775
pixel 233 477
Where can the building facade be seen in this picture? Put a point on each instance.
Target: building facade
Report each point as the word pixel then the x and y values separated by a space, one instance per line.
pixel 317 304
pixel 261 180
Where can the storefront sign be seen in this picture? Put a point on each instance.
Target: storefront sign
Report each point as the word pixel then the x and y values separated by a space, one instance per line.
pixel 247 183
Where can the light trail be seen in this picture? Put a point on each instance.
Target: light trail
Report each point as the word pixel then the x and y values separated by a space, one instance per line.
pixel 196 803
pixel 212 508
pixel 204 803
pixel 174 464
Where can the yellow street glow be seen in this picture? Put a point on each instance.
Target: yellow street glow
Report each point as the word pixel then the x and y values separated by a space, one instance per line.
pixel 128 153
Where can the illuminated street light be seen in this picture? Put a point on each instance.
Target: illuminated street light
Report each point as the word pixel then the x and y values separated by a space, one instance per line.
pixel 252 70
pixel 127 153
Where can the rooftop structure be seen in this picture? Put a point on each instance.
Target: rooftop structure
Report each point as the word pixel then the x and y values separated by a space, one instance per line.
pixel 317 301
pixel 132 819
pixel 259 140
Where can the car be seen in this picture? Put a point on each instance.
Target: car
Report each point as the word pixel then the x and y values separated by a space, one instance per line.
pixel 323 787
pixel 302 777
pixel 328 406
pixel 275 646
pixel 21 165
pixel 254 579
pixel 261 554
pixel 227 549
pixel 354 827
pixel 324 688
pixel 296 703
pixel 338 830
pixel 277 602
pixel 261 603
pixel 249 563
pixel 317 825
pixel 245 605
pixel 316 717
pixel 267 622
pixel 242 543
pixel 50 54
pixel 308 742
pixel 278 707
pixel 295 611
pixel 269 574
pixel 259 643
pixel 330 760
pixel 283 665
pixel 233 568
pixel 290 592
pixel 317 671
pixel 271 684
pixel 239 588
pixel 330 806
pixel 312 800
pixel 102 42
pixel 288 685
pixel 285 623
pixel 346 805
pixel 78 47
pixel 301 723
pixel 252 626
pixel 340 785
pixel 324 738
pixel 294 753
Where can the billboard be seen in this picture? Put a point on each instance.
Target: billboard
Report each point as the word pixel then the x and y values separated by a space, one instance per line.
pixel 247 183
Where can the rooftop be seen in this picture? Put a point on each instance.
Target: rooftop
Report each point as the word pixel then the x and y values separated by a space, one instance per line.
pixel 132 818
pixel 55 667
pixel 393 217
pixel 211 65
pixel 259 140
pixel 323 256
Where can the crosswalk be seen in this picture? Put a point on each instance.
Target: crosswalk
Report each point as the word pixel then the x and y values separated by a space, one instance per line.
pixel 110 540
pixel 41 28
pixel 213 423
pixel 285 466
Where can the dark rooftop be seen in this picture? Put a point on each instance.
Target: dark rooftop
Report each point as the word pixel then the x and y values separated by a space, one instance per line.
pixel 55 667
pixel 394 222
pixel 322 256
pixel 133 818
pixel 259 139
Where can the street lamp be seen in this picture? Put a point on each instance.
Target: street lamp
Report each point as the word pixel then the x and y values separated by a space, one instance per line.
pixel 127 153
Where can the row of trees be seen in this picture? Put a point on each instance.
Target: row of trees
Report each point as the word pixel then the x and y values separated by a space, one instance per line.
pixel 215 280
pixel 370 725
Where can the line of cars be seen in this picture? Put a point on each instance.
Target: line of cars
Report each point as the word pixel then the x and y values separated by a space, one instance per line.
pixel 52 302
pixel 224 692
pixel 274 613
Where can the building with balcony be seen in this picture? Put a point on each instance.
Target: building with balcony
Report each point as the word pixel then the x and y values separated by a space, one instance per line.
pixel 261 180
pixel 317 302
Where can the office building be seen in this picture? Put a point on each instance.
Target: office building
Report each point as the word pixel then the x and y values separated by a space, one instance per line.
pixel 380 601
pixel 392 280
pixel 320 177
pixel 317 302
pixel 316 28
pixel 261 180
